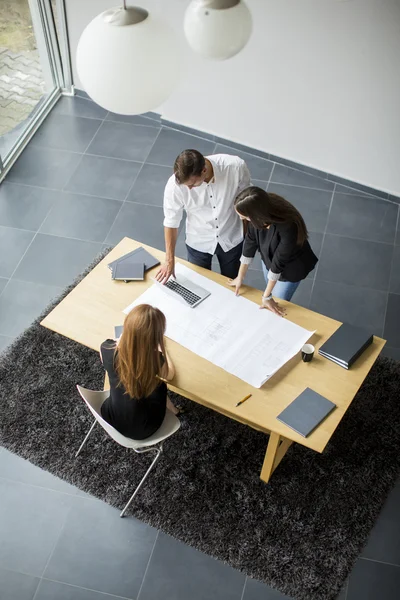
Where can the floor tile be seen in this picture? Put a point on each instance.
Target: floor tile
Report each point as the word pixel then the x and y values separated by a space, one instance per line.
pixel 3 283
pixel 141 222
pixel 367 218
pixel 100 551
pixel 24 207
pixel 30 523
pixel 5 341
pixel 44 167
pixel 133 119
pixel 79 107
pixel 180 249
pixel 21 302
pixel 256 590
pixel 259 168
pixel 123 140
pixel 391 352
pixel 302 295
pixel 384 540
pixel 255 279
pixel 55 261
pixel 356 262
pixel 150 184
pixel 179 572
pixel 355 305
pixel 66 132
pixel 370 580
pixel 312 204
pixel 191 130
pixel 391 332
pixel 283 174
pixel 104 177
pixel 170 143
pixel 259 183
pixel 83 217
pixel 15 468
pixel 343 592
pixel 17 586
pixel 345 189
pixel 154 116
pixel 315 240
pixel 395 275
pixel 13 245
pixel 358 186
pixel 257 262
pixel 53 590
pixel 299 167
pixel 397 240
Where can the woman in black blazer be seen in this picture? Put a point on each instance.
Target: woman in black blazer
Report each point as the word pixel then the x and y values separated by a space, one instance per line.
pixel 277 230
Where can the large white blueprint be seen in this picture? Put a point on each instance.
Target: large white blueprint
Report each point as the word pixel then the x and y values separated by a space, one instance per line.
pixel 229 331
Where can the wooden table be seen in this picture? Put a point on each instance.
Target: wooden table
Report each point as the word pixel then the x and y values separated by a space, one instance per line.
pixel 88 315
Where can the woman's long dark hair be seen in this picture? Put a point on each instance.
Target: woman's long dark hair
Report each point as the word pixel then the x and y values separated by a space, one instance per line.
pixel 264 209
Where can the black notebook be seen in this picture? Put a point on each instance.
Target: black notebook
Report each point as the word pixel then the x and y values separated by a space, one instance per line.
pixel 306 412
pixel 126 271
pixel 140 255
pixel 346 345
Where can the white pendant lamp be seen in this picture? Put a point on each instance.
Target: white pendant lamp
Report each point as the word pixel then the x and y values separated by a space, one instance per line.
pixel 126 60
pixel 217 29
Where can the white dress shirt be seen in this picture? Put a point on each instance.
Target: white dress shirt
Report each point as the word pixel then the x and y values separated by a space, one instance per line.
pixel 211 218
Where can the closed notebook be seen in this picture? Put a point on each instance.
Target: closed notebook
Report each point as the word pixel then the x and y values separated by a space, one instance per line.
pixel 346 345
pixel 127 271
pixel 306 412
pixel 140 255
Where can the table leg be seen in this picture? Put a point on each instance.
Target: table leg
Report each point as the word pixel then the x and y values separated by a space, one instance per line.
pixel 276 450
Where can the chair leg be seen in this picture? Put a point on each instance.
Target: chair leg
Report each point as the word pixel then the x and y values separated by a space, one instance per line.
pixel 158 453
pixel 87 435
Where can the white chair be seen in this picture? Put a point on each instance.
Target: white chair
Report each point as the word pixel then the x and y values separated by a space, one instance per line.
pixel 154 443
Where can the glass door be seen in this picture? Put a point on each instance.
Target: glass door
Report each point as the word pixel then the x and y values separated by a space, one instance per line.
pixel 32 72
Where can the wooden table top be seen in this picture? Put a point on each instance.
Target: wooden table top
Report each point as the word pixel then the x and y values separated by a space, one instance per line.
pixel 91 310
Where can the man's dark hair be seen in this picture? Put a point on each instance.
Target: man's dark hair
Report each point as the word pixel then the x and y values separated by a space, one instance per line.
pixel 188 164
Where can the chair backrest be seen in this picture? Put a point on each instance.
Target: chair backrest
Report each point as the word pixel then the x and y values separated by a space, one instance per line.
pixel 94 400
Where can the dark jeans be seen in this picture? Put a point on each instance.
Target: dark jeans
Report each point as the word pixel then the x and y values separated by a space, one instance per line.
pixel 229 262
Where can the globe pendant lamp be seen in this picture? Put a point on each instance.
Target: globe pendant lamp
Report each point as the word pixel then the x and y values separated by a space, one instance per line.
pixel 126 60
pixel 217 29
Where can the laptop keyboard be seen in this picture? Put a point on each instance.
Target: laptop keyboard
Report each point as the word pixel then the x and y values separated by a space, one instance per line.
pixel 186 294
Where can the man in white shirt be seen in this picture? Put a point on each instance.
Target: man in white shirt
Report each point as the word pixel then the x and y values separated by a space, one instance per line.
pixel 205 187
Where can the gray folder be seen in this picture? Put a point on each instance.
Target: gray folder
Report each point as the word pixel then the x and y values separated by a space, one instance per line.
pixel 140 255
pixel 127 271
pixel 306 412
pixel 346 344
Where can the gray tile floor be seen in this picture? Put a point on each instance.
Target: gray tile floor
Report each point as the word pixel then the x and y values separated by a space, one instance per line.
pixel 87 179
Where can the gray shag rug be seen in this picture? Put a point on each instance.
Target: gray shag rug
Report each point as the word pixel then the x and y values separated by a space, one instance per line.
pixel 300 534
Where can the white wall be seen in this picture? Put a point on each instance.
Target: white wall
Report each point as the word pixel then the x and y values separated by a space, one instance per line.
pixel 318 83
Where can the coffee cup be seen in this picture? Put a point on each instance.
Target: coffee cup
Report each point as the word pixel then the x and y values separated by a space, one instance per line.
pixel 307 352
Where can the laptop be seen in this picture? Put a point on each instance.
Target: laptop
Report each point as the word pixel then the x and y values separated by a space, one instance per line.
pixel 184 290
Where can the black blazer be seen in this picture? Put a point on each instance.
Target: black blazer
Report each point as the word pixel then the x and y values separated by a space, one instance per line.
pixel 279 251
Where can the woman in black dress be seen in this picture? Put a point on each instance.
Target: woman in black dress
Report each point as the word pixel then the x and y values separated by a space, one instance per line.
pixel 138 398
pixel 277 230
